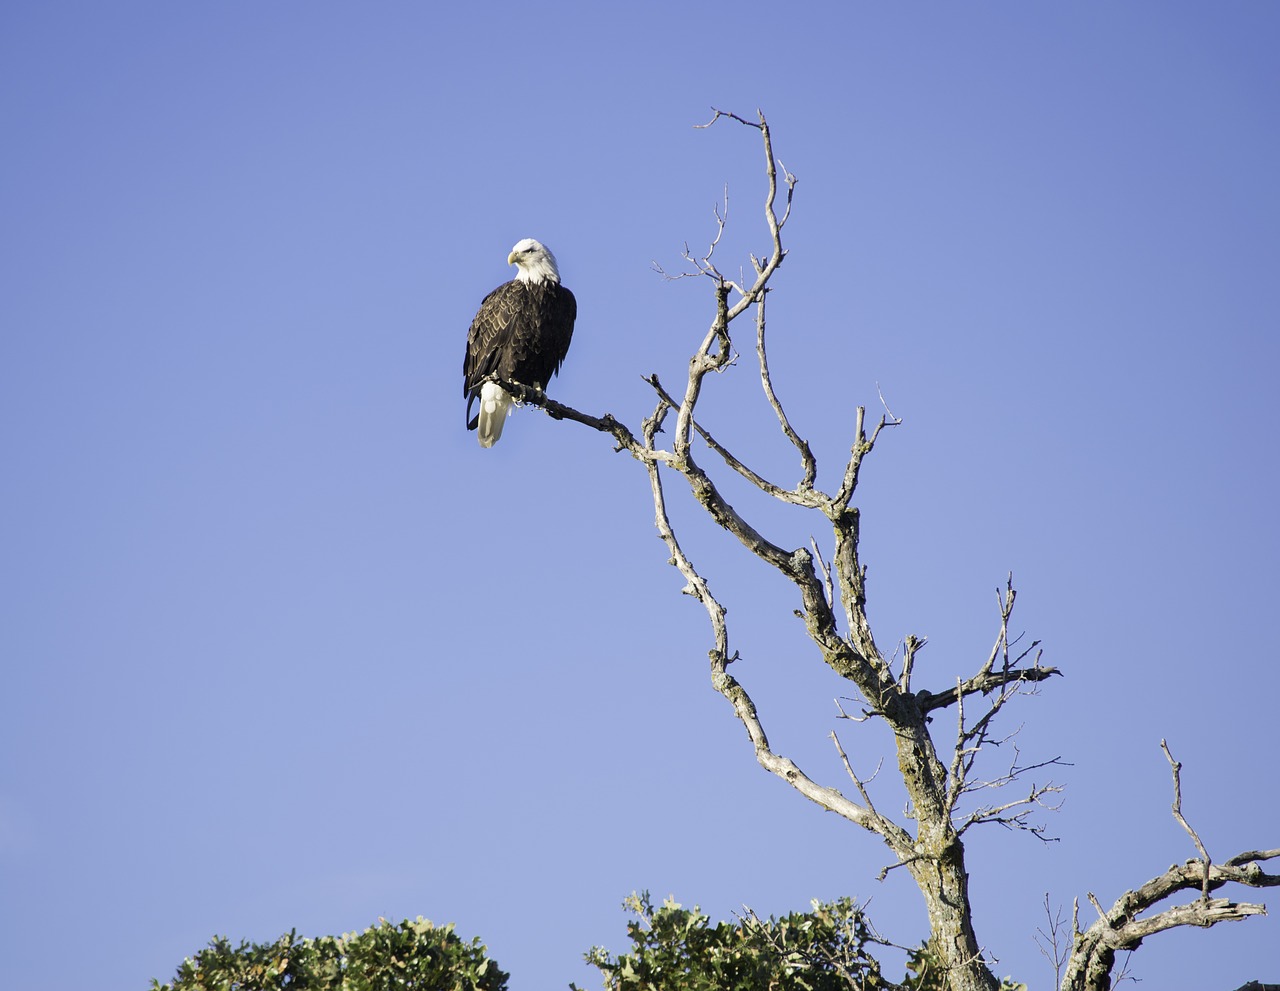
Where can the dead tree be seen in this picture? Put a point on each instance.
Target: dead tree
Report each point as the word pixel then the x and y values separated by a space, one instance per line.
pixel 948 795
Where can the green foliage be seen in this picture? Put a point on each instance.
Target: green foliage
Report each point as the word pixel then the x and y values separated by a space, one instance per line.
pixel 675 949
pixel 413 956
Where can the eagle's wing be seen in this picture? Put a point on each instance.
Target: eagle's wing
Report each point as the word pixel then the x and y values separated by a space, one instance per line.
pixel 562 321
pixel 490 335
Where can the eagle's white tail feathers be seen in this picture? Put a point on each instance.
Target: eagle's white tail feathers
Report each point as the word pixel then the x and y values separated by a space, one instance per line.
pixel 495 407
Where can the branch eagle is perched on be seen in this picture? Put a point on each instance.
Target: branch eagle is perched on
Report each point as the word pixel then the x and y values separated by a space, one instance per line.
pixel 521 334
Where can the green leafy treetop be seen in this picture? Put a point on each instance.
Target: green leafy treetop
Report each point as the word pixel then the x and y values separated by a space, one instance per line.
pixel 675 949
pixel 411 956
pixel 679 950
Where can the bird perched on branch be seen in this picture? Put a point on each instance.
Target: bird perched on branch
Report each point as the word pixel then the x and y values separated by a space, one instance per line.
pixel 521 334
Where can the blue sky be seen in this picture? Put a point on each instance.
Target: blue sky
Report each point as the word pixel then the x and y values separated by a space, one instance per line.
pixel 283 647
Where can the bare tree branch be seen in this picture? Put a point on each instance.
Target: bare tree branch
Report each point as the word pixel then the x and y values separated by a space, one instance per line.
pixel 1123 927
pixel 765 270
pixel 1053 945
pixel 737 696
pixel 911 646
pixel 988 679
pixel 826 571
pixel 799 497
pixel 808 464
pixel 1177 814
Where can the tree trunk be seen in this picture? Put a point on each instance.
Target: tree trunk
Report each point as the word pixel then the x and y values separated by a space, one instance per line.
pixel 937 860
pixel 945 885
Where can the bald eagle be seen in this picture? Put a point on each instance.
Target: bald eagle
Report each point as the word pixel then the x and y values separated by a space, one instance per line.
pixel 521 334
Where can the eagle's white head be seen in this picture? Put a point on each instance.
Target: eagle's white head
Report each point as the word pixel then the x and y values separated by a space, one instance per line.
pixel 534 262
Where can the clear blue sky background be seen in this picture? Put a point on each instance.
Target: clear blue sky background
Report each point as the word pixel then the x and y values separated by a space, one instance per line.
pixel 283 647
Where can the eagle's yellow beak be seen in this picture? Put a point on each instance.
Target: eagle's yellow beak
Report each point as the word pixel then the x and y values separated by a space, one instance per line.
pixel 511 258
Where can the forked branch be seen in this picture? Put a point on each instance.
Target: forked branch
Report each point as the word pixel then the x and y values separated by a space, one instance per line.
pixel 1123 926
pixel 990 677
